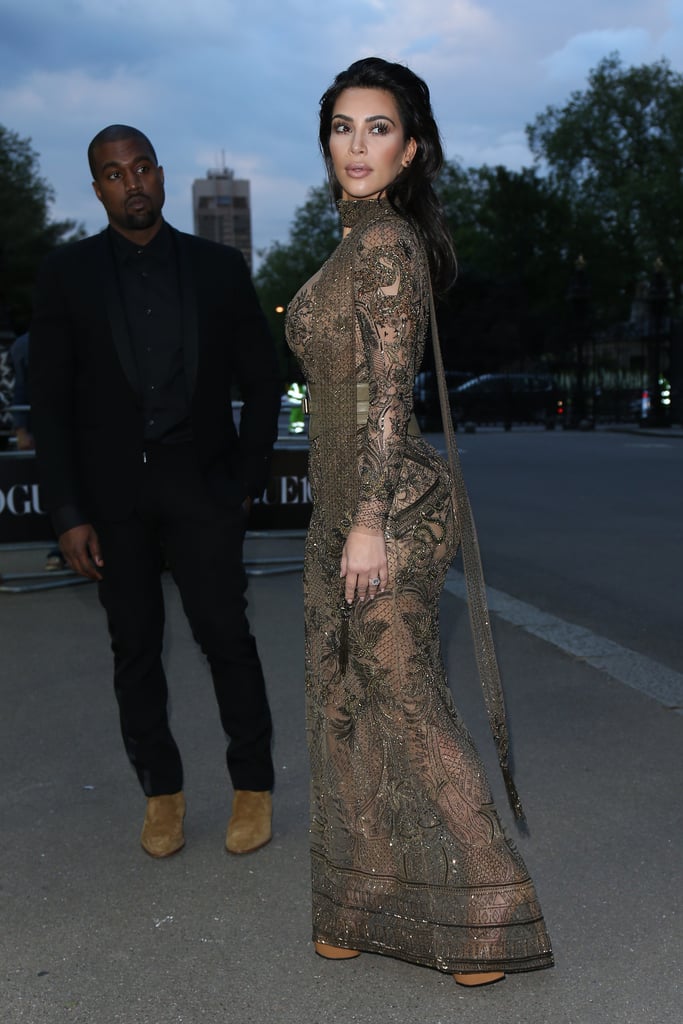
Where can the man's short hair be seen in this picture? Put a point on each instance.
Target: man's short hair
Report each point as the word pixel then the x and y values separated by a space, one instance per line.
pixel 116 133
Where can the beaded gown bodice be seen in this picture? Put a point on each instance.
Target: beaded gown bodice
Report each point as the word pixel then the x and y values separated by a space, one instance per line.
pixel 373 319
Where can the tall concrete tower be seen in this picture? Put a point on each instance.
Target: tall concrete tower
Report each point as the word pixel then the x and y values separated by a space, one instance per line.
pixel 222 210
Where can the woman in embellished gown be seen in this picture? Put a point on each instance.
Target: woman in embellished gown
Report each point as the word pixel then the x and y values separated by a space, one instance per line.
pixel 408 855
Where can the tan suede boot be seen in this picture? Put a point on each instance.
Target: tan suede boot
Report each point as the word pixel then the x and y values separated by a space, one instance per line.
pixel 162 831
pixel 250 826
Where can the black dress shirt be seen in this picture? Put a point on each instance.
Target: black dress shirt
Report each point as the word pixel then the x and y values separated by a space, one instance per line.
pixel 150 293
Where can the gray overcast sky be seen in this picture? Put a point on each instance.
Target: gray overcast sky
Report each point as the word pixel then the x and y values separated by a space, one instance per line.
pixel 243 79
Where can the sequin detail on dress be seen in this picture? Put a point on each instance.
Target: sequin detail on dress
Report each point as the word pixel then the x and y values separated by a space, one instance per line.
pixel 408 855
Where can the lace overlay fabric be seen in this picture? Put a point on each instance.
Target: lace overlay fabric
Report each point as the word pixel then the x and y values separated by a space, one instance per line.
pixel 408 854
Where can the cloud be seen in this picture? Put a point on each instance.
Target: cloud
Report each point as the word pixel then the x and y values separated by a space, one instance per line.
pixel 479 146
pixel 74 94
pixel 445 27
pixel 584 51
pixel 671 41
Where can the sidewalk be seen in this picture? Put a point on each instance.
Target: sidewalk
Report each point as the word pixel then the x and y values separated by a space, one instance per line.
pixel 95 932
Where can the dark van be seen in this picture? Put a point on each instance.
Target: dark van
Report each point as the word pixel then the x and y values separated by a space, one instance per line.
pixel 508 398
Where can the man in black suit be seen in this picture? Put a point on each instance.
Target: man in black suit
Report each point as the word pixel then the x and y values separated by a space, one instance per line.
pixel 138 336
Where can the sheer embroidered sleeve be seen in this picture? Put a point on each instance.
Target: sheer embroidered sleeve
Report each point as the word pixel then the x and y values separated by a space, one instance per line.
pixel 391 299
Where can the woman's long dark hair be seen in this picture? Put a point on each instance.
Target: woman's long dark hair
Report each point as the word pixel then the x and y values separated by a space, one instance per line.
pixel 412 192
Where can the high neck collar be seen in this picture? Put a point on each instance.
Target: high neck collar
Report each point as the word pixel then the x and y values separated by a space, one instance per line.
pixel 358 211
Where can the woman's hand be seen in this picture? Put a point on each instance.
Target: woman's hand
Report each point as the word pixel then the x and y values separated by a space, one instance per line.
pixel 364 563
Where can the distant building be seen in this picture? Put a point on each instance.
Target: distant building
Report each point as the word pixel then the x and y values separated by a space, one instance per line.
pixel 222 210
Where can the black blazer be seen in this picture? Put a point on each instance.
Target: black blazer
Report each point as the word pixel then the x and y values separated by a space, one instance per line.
pixel 87 413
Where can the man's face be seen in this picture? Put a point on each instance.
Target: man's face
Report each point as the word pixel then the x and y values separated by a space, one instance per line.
pixel 130 185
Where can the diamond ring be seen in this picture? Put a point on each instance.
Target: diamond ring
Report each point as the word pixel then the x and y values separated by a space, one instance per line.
pixel 375 582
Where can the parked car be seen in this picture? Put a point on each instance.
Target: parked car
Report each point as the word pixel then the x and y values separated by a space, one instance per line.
pixel 426 396
pixel 509 398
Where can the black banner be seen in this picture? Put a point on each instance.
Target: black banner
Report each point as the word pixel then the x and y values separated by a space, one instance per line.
pixel 21 517
pixel 286 502
pixel 284 505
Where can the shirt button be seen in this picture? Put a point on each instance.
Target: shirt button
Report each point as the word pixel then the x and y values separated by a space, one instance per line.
pixel 148 312
pixel 150 423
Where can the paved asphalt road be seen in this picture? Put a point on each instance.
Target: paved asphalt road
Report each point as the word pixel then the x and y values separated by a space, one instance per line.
pixel 586 525
pixel 94 931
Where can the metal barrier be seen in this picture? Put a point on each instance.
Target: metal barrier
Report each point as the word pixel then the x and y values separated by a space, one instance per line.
pixel 281 513
pixel 27 582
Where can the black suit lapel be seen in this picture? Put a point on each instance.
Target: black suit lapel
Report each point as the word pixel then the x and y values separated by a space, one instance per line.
pixel 117 319
pixel 188 299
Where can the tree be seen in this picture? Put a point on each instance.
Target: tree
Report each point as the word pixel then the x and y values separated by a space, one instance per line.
pixel 512 233
pixel 615 152
pixel 26 231
pixel 284 268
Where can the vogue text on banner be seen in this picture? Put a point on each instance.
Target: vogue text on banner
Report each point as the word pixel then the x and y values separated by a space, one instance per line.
pixel 284 505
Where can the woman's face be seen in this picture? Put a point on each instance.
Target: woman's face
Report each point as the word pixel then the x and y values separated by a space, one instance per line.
pixel 367 144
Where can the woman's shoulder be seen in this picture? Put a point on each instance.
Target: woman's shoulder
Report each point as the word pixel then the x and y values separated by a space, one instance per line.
pixel 388 226
pixel 387 244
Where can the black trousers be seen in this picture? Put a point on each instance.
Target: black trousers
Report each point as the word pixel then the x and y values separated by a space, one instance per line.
pixel 178 523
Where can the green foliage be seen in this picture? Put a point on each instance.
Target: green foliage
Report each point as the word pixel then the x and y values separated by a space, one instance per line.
pixel 284 268
pixel 615 151
pixel 26 231
pixel 512 234
pixel 605 187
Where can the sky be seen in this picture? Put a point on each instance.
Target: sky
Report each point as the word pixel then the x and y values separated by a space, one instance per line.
pixel 220 81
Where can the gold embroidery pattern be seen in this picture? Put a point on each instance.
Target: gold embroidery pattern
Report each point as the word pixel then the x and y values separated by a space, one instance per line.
pixel 408 854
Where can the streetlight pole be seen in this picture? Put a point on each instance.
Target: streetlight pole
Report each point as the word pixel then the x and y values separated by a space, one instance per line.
pixel 578 295
pixel 658 299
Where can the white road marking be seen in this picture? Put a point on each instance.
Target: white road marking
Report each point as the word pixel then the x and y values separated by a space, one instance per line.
pixel 645 674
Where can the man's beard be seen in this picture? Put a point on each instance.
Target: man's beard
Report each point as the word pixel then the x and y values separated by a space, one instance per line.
pixel 140 221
